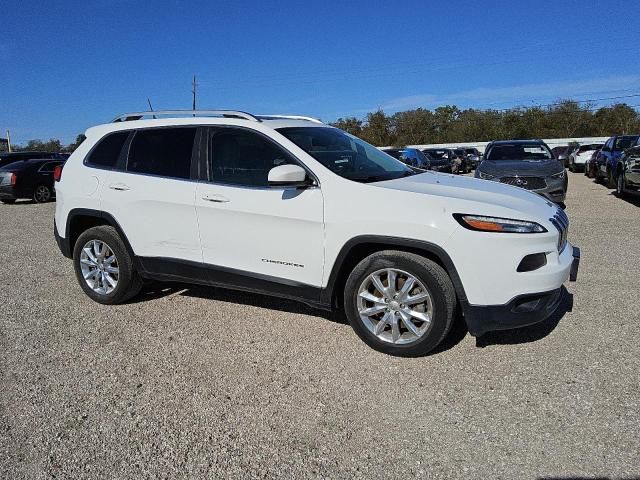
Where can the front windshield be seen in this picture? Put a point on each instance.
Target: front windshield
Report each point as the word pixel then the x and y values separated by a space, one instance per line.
pixel 520 151
pixel 346 155
pixel 628 141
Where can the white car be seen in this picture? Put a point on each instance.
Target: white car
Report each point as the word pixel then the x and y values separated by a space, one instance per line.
pixel 291 207
pixel 581 155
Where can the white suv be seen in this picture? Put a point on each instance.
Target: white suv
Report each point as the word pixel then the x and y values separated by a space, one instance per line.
pixel 291 207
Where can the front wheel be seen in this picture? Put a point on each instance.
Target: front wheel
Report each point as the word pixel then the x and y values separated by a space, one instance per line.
pixel 611 181
pixel 104 267
pixel 620 185
pixel 400 303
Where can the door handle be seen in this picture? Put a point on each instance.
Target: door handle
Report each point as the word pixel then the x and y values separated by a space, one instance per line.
pixel 119 186
pixel 215 198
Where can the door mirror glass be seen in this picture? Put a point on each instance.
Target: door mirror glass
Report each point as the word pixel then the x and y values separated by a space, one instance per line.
pixel 288 175
pixel 562 158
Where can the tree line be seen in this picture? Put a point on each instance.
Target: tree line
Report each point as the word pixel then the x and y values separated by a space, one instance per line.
pixel 449 124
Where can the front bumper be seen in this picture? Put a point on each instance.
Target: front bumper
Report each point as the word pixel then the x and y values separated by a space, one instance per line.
pixel 521 311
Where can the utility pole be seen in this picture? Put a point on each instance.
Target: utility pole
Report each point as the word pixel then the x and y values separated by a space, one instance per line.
pixel 193 91
pixel 9 140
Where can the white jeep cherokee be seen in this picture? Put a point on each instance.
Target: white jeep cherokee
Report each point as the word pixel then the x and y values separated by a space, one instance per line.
pixel 291 207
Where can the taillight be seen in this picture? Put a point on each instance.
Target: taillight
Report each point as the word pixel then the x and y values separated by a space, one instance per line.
pixel 13 179
pixel 57 173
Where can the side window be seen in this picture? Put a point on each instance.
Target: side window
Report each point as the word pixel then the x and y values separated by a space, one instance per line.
pixel 164 152
pixel 48 167
pixel 241 157
pixel 106 153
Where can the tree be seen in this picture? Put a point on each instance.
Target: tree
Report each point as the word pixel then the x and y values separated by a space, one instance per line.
pixel 349 124
pixel 378 130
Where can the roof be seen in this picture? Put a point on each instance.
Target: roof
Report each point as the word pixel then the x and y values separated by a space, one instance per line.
pixel 258 122
pixel 517 142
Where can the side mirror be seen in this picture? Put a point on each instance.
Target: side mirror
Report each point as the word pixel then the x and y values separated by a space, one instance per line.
pixel 562 158
pixel 288 175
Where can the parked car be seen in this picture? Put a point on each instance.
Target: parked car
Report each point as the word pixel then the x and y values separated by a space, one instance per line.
pixel 590 165
pixel 473 155
pixel 440 159
pixel 28 179
pixel 628 174
pixel 410 156
pixel 607 161
pixel 294 208
pixel 562 150
pixel 579 157
pixel 7 158
pixel 528 164
pixel 465 163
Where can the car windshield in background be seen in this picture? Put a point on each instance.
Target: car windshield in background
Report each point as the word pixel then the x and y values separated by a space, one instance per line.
pixel 346 155
pixel 438 154
pixel 519 151
pixel 627 141
pixel 586 148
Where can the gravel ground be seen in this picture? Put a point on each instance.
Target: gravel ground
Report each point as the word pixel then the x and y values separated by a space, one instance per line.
pixel 195 382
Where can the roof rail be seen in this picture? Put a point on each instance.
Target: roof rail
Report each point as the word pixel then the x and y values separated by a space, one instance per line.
pixel 195 113
pixel 288 117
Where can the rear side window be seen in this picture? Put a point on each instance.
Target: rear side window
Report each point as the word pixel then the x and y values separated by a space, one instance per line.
pixel 106 153
pixel 49 166
pixel 164 152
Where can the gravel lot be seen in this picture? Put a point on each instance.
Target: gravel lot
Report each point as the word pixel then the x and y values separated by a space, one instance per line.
pixel 194 382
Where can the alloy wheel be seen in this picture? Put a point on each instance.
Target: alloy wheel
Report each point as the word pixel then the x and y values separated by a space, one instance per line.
pixel 42 194
pixel 395 306
pixel 99 267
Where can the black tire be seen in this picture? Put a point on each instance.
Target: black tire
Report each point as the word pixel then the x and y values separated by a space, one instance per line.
pixel 129 282
pixel 620 186
pixel 610 180
pixel 8 201
pixel 572 167
pixel 42 194
pixel 430 274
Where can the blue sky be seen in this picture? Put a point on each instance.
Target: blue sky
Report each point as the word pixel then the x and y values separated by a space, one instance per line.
pixel 69 65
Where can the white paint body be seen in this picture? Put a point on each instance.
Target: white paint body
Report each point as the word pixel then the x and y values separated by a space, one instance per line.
pixel 242 227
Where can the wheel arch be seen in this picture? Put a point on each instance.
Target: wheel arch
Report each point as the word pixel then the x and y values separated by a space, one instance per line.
pixel 81 219
pixel 361 247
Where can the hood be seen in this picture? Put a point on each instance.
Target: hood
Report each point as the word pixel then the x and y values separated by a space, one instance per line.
pixel 508 201
pixel 511 168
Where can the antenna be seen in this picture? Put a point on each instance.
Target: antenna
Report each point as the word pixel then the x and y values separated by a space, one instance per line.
pixel 193 91
pixel 150 106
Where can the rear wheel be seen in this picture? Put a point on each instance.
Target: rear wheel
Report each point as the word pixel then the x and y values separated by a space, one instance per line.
pixel 104 267
pixel 41 194
pixel 400 303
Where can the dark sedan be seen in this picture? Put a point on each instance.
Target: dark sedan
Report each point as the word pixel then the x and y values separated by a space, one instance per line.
pixel 31 179
pixel 441 160
pixel 528 164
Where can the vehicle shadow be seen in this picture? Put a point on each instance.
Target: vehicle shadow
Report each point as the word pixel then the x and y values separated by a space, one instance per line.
pixel 531 333
pixel 154 290
pixel 631 198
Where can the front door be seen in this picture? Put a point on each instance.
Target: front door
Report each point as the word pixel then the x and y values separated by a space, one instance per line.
pixel 249 229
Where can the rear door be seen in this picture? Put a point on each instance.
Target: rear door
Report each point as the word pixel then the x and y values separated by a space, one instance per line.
pixel 252 229
pixel 151 194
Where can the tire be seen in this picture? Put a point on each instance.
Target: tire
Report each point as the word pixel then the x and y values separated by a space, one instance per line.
pixel 8 201
pixel 42 194
pixel 128 282
pixel 611 181
pixel 572 167
pixel 620 187
pixel 429 277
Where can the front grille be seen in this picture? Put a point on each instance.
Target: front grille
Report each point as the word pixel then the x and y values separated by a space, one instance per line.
pixel 530 183
pixel 561 222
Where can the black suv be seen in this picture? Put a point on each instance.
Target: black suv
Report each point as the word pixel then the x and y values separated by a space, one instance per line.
pixel 28 179
pixel 7 158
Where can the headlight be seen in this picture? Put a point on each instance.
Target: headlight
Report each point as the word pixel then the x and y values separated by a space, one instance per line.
pixel 559 174
pixel 495 224
pixel 484 176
